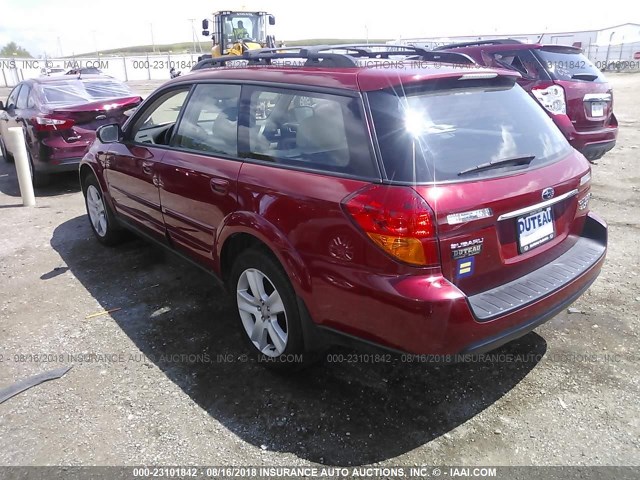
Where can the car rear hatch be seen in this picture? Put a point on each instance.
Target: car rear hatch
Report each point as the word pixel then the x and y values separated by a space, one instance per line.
pixel 503 182
pixel 589 98
pixel 90 116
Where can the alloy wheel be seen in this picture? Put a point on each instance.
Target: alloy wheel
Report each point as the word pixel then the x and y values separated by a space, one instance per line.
pixel 262 312
pixel 96 210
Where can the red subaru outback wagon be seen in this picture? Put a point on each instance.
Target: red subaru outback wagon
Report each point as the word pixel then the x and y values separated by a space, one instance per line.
pixel 575 94
pixel 348 196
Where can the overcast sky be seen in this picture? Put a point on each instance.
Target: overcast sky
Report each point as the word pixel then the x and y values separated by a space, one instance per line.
pixel 77 26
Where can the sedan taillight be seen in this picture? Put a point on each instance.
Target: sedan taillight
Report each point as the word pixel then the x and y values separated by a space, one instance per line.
pixel 49 124
pixel 551 97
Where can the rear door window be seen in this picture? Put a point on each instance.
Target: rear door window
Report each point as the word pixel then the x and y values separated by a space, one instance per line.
pixel 435 131
pixel 522 61
pixel 569 64
pixel 309 130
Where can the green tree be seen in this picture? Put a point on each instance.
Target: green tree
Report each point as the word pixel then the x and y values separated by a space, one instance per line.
pixel 11 49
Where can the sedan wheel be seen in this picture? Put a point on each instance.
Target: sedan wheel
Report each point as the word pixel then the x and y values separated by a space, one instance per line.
pixel 4 153
pixel 262 312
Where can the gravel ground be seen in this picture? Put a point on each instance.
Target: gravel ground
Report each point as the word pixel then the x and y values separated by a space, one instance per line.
pixel 163 379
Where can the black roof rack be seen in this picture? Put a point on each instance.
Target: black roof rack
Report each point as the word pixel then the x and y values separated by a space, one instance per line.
pixel 337 56
pixel 496 41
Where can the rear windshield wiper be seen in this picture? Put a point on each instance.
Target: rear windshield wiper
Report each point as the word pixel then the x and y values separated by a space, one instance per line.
pixel 515 161
pixel 584 76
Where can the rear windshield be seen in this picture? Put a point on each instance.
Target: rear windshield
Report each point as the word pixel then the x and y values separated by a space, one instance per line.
pixel 441 130
pixel 70 92
pixel 569 65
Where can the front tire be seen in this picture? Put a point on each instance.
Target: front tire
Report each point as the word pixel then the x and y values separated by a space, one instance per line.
pixel 102 220
pixel 268 312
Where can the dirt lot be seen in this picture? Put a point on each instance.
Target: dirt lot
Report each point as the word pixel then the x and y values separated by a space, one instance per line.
pixel 175 388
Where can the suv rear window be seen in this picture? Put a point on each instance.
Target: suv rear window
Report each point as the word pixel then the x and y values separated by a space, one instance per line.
pixel 439 129
pixel 569 64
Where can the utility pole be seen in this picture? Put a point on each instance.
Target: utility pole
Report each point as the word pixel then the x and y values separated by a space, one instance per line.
pixel 95 42
pixel 194 37
pixel 153 43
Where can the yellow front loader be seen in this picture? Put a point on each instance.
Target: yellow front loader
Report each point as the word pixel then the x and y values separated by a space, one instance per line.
pixel 236 32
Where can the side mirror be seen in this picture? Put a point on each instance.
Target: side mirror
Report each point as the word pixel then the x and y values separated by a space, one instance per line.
pixel 205 24
pixel 1 105
pixel 109 133
pixel 206 33
pixel 272 20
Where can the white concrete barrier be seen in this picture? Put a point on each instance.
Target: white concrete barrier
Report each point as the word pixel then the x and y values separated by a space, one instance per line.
pixel 16 143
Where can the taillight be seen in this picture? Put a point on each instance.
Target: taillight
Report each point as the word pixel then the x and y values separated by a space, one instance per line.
pixel 398 220
pixel 49 124
pixel 551 97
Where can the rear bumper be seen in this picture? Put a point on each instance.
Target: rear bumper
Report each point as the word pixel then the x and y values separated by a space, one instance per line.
pixel 593 151
pixel 57 166
pixel 591 143
pixel 431 316
pixel 58 156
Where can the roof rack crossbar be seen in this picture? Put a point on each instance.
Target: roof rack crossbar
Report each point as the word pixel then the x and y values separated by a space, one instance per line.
pixel 326 55
pixel 496 41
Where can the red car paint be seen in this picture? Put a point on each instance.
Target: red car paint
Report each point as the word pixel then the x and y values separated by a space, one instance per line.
pixel 200 204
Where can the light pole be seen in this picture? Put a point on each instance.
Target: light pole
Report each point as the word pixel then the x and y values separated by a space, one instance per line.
pixel 153 43
pixel 606 60
pixel 95 42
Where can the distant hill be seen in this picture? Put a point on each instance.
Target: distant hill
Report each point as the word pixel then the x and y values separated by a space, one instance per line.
pixel 186 47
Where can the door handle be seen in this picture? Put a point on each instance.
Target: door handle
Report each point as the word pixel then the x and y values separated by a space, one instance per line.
pixel 219 185
pixel 147 167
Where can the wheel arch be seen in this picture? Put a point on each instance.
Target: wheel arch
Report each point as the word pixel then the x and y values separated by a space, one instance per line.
pixel 89 168
pixel 242 230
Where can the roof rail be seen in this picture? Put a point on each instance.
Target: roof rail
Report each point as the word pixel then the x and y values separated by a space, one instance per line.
pixel 496 41
pixel 340 56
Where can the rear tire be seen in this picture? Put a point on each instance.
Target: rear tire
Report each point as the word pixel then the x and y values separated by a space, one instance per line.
pixel 268 312
pixel 3 150
pixel 102 220
pixel 38 179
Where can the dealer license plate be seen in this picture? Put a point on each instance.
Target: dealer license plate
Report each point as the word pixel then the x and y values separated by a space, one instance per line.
pixel 535 229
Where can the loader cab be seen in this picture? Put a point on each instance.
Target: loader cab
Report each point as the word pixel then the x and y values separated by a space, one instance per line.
pixel 232 28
